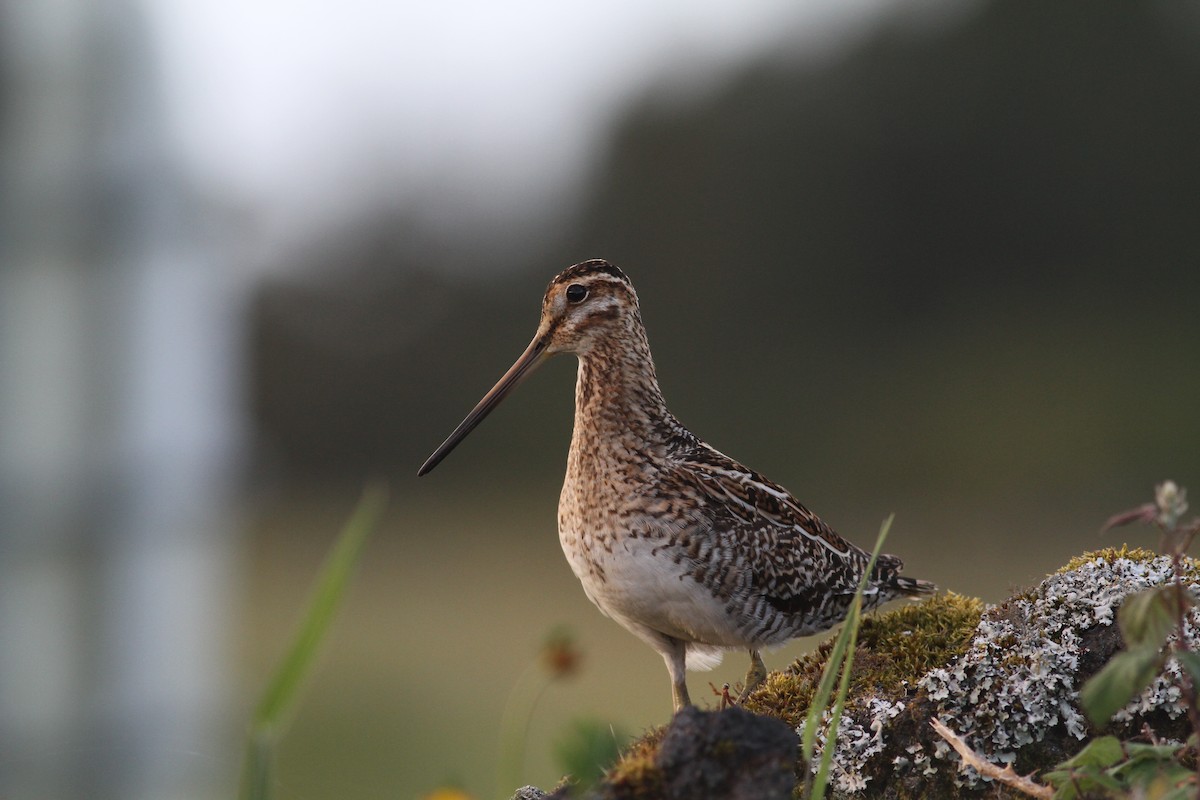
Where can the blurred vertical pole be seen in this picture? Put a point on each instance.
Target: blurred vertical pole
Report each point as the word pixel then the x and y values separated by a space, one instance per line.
pixel 119 424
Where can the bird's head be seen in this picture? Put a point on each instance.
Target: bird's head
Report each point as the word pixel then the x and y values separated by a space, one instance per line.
pixel 584 306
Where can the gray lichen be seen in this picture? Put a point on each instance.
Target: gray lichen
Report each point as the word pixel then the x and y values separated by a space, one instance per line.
pixel 860 739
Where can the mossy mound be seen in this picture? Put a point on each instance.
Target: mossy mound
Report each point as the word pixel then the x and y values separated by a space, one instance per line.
pixel 1006 678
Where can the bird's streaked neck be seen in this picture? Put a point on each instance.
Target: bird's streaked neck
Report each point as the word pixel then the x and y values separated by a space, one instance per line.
pixel 617 395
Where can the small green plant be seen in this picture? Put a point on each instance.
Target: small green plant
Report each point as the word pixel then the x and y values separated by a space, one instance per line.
pixel 277 702
pixel 1154 626
pixel 1108 766
pixel 840 662
pixel 586 750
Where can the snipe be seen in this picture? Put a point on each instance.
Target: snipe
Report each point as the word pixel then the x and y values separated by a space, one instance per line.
pixel 685 547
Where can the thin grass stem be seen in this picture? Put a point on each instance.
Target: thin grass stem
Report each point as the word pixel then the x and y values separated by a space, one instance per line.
pixel 282 692
pixel 841 658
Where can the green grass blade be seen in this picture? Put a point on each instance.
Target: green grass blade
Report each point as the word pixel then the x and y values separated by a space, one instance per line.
pixel 327 594
pixel 820 700
pixel 848 639
pixel 821 779
pixel 281 694
pixel 256 772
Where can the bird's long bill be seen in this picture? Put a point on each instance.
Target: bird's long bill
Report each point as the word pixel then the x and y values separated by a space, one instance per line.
pixel 529 360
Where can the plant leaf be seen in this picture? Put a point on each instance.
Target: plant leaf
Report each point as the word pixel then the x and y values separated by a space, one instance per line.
pixel 1190 661
pixel 1125 675
pixel 1156 775
pixel 1106 781
pixel 1101 752
pixel 1139 751
pixel 1144 514
pixel 1060 779
pixel 1185 791
pixel 1148 617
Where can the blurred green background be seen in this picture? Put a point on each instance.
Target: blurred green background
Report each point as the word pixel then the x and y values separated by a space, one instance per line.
pixel 939 261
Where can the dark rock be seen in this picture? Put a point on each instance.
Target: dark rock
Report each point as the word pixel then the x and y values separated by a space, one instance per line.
pixel 727 755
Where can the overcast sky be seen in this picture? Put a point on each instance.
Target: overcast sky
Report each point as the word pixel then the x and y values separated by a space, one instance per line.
pixel 301 109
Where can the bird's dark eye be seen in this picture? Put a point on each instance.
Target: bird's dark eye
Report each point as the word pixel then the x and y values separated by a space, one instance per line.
pixel 576 293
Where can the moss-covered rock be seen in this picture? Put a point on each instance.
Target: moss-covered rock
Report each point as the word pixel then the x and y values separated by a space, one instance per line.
pixel 1006 678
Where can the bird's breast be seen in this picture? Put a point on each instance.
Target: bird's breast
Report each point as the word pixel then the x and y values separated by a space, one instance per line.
pixel 642 575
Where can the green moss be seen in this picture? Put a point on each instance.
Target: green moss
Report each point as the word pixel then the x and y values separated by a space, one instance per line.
pixel 894 650
pixel 1109 554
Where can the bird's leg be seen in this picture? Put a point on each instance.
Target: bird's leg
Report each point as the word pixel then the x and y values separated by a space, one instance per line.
pixel 674 652
pixel 754 676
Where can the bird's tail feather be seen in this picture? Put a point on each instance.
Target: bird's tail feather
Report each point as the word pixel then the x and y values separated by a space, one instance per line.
pixel 703 657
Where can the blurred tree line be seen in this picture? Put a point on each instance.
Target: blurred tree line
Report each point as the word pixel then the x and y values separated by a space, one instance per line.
pixel 958 256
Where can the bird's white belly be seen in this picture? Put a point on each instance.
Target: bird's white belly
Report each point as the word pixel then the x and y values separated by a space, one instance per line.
pixel 638 584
